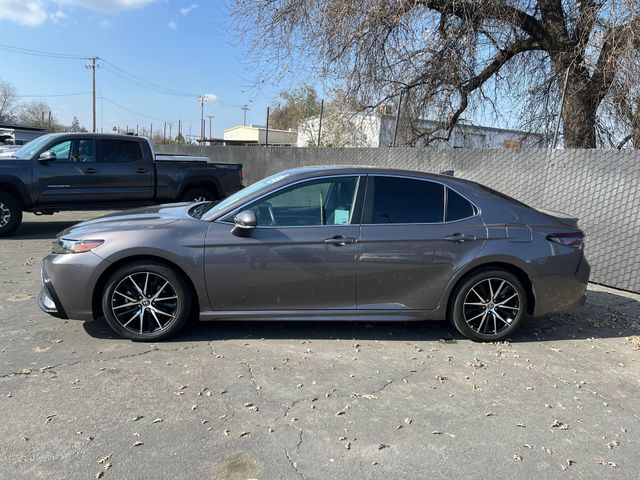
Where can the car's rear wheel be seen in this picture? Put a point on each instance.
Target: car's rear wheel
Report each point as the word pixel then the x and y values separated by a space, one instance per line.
pixel 198 194
pixel 489 305
pixel 10 214
pixel 146 301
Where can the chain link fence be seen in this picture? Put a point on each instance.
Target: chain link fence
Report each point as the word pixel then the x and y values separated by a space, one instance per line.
pixel 600 187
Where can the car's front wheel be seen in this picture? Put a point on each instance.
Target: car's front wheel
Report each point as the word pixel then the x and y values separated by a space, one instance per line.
pixel 146 301
pixel 198 194
pixel 489 305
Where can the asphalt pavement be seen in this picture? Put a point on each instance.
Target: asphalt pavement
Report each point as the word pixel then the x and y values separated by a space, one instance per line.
pixel 271 400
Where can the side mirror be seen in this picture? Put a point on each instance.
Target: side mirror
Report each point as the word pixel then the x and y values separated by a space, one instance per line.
pixel 47 156
pixel 244 222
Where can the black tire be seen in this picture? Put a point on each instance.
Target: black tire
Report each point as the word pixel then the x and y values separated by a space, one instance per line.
pixel 481 318
pixel 160 319
pixel 10 214
pixel 198 194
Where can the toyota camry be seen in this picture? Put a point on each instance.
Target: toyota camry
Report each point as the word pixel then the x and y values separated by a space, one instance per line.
pixel 322 244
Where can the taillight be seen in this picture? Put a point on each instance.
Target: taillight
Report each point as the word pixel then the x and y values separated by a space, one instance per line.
pixel 570 239
pixel 241 174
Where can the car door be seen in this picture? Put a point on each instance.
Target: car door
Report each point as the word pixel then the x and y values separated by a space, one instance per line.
pixel 300 256
pixel 127 176
pixel 72 177
pixel 415 235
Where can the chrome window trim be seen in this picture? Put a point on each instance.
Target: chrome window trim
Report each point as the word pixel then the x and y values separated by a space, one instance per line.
pixel 475 207
pixel 358 177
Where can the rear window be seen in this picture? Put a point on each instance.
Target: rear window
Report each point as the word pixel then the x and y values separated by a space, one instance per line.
pixel 121 151
pixel 458 207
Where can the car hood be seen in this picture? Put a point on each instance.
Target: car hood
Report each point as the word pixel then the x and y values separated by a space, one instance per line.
pixel 139 218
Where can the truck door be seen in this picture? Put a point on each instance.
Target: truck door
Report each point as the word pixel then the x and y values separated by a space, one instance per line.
pixel 72 177
pixel 126 175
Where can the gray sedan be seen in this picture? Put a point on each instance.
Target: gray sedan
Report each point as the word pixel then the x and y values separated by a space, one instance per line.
pixel 324 244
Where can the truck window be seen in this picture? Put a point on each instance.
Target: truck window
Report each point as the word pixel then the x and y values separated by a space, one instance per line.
pixel 75 151
pixel 121 151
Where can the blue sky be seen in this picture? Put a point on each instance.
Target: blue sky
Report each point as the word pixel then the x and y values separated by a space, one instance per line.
pixel 182 46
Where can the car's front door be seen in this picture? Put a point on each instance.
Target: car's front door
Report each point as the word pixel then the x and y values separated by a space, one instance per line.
pixel 300 256
pixel 411 245
pixel 71 177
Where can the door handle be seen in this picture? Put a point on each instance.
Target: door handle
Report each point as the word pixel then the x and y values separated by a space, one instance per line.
pixel 459 238
pixel 142 170
pixel 89 170
pixel 339 240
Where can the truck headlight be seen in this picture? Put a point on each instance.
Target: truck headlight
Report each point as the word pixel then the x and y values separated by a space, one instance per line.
pixel 65 245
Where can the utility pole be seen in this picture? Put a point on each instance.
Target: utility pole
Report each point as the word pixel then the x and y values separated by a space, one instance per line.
pixel 210 117
pixel 49 127
pixel 151 132
pixel 170 126
pixel 164 133
pixel 320 123
pixel 564 91
pixel 244 108
pixel 202 99
pixel 92 66
pixel 266 133
pixel 179 130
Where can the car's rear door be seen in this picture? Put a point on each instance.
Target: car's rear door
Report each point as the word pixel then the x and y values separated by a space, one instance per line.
pixel 301 255
pixel 126 173
pixel 408 250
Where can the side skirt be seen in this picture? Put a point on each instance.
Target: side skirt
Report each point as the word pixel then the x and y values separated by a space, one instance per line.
pixel 322 315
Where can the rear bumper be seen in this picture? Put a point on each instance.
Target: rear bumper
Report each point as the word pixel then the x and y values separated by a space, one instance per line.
pixel 561 293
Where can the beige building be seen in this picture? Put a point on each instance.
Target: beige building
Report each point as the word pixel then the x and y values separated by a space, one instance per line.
pixel 257 135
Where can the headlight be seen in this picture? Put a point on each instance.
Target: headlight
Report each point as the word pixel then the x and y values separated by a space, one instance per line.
pixel 64 245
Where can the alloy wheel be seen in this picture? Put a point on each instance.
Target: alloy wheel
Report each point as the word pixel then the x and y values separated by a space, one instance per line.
pixel 144 302
pixel 491 306
pixel 200 198
pixel 5 215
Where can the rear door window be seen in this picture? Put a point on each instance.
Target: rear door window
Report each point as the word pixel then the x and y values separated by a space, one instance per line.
pixel 121 151
pixel 403 200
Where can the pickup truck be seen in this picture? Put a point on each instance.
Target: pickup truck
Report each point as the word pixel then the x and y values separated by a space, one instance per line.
pixel 84 171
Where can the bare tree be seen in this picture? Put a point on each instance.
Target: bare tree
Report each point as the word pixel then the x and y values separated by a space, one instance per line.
pixel 457 57
pixel 8 102
pixel 36 114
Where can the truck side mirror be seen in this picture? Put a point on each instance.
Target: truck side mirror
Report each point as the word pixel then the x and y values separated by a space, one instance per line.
pixel 47 156
pixel 244 222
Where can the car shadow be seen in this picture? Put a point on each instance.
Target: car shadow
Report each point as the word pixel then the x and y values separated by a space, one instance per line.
pixel 40 230
pixel 606 315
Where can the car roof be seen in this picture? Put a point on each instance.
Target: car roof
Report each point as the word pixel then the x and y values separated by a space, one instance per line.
pixel 96 135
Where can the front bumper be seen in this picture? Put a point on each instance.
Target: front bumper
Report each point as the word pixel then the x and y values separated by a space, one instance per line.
pixel 68 282
pixel 48 299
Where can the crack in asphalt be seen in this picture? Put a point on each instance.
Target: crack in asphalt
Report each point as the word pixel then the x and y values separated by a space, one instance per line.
pixel 102 360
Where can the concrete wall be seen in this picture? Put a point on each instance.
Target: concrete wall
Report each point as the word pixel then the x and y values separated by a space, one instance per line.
pixel 601 187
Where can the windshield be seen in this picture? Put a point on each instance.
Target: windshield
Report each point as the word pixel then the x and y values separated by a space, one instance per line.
pixel 211 209
pixel 28 150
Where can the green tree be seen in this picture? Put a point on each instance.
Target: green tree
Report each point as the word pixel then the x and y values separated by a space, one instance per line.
pixel 294 106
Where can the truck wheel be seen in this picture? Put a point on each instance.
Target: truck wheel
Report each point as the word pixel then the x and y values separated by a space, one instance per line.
pixel 10 214
pixel 198 194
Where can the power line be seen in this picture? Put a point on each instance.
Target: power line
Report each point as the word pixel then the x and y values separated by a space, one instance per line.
pixel 144 83
pixel 40 53
pixel 54 95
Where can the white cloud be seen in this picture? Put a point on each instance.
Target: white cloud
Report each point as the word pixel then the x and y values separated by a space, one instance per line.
pixel 210 97
pixel 30 13
pixel 57 16
pixel 106 23
pixel 172 25
pixel 187 10
pixel 107 5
